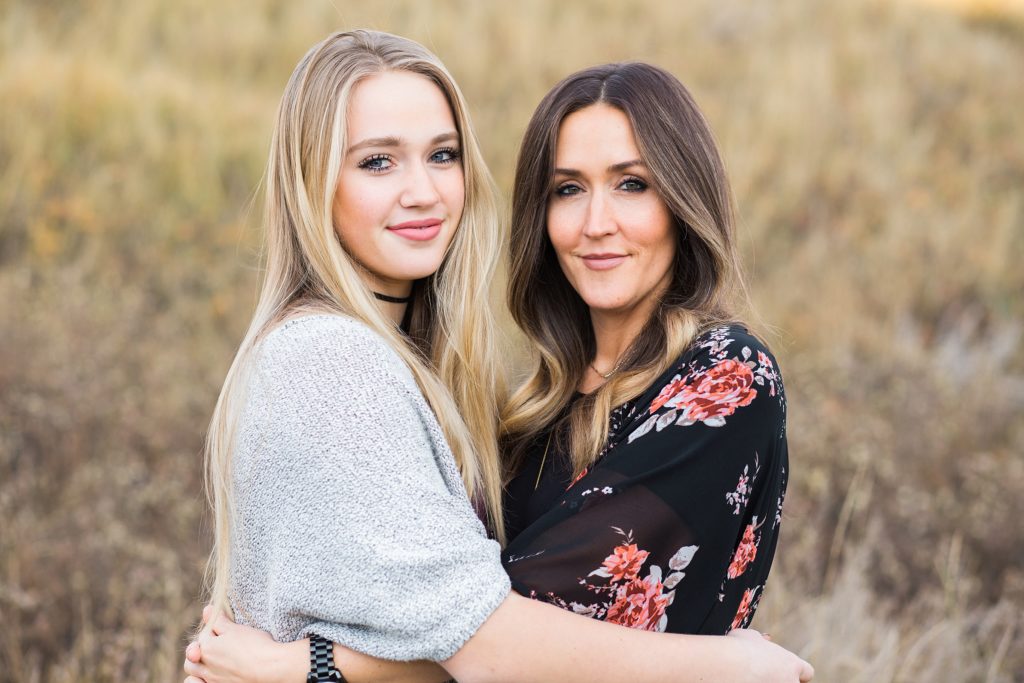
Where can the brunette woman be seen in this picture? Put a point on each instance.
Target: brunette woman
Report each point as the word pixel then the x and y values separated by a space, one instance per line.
pixel 649 440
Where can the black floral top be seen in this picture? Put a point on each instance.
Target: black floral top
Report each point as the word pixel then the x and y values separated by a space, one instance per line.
pixel 674 527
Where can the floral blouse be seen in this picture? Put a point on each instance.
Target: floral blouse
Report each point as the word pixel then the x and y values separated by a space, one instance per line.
pixel 674 527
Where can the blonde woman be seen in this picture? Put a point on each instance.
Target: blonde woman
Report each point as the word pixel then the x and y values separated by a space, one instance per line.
pixel 357 422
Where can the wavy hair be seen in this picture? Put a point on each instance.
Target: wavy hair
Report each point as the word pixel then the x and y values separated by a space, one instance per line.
pixel 706 287
pixel 451 349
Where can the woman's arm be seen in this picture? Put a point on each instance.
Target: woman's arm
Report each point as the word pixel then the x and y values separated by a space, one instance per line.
pixel 523 639
pixel 528 641
pixel 232 653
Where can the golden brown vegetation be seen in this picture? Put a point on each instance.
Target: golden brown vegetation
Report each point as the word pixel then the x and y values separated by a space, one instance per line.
pixel 877 152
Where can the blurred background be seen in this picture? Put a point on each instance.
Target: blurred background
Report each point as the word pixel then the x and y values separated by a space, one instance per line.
pixel 877 153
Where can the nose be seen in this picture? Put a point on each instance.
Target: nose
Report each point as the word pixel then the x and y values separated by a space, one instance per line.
pixel 419 188
pixel 599 220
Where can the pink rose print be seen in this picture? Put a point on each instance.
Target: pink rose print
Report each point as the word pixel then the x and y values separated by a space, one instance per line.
pixel 639 604
pixel 668 393
pixel 717 393
pixel 744 610
pixel 625 562
pixel 745 553
pixel 625 598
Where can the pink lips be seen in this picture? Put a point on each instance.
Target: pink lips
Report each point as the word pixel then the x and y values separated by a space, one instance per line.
pixel 602 261
pixel 418 231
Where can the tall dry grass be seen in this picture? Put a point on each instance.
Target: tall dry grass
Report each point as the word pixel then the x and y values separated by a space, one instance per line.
pixel 877 151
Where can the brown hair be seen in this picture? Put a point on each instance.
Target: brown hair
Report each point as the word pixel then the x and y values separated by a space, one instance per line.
pixel 678 148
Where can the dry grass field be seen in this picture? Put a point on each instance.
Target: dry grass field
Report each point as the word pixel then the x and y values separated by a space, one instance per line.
pixel 877 154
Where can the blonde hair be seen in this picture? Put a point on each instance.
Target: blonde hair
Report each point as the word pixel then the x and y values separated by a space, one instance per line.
pixel 453 356
pixel 706 287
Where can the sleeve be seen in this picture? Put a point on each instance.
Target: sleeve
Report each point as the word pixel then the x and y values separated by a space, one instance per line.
pixel 346 525
pixel 675 529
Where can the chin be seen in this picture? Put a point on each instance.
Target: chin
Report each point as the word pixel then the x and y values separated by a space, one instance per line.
pixel 415 269
pixel 605 303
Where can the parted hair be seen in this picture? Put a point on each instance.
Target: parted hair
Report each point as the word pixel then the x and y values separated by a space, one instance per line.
pixel 451 349
pixel 706 288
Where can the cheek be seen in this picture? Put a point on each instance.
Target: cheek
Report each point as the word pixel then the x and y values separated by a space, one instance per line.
pixel 455 196
pixel 560 230
pixel 358 208
pixel 452 187
pixel 658 234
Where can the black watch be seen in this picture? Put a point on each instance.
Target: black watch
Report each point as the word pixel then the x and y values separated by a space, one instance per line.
pixel 321 662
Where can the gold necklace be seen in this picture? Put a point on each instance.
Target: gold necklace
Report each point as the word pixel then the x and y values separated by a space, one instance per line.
pixel 543 460
pixel 612 372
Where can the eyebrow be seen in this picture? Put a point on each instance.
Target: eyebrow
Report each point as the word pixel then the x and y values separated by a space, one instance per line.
pixel 614 168
pixel 394 141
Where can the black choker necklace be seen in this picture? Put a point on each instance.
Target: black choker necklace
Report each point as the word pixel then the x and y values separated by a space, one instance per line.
pixel 393 299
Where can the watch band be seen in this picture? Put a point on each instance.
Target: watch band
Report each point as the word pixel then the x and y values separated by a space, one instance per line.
pixel 321 662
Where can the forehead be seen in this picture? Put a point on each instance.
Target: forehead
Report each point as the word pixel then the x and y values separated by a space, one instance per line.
pixel 595 137
pixel 398 104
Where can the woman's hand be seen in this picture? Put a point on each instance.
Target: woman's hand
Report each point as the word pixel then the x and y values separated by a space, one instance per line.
pixel 766 662
pixel 226 652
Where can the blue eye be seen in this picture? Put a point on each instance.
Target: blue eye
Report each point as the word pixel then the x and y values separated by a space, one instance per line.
pixel 568 190
pixel 378 163
pixel 448 155
pixel 632 185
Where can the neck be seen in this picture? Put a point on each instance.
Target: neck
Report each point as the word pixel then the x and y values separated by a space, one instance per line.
pixel 399 289
pixel 614 332
pixel 394 311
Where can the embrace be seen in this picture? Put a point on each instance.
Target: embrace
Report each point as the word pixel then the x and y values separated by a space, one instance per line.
pixel 385 509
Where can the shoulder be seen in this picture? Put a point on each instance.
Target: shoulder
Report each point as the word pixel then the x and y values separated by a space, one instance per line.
pixel 322 381
pixel 328 342
pixel 724 371
pixel 330 358
pixel 326 332
pixel 727 341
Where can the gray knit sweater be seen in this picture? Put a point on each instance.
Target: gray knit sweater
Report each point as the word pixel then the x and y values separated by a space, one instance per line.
pixel 351 519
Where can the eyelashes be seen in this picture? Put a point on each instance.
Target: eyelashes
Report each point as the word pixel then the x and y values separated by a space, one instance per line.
pixel 567 190
pixel 629 184
pixel 380 163
pixel 632 184
pixel 446 155
pixel 376 163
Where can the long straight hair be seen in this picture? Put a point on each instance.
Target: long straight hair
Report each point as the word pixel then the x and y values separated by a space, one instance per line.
pixel 452 351
pixel 677 146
